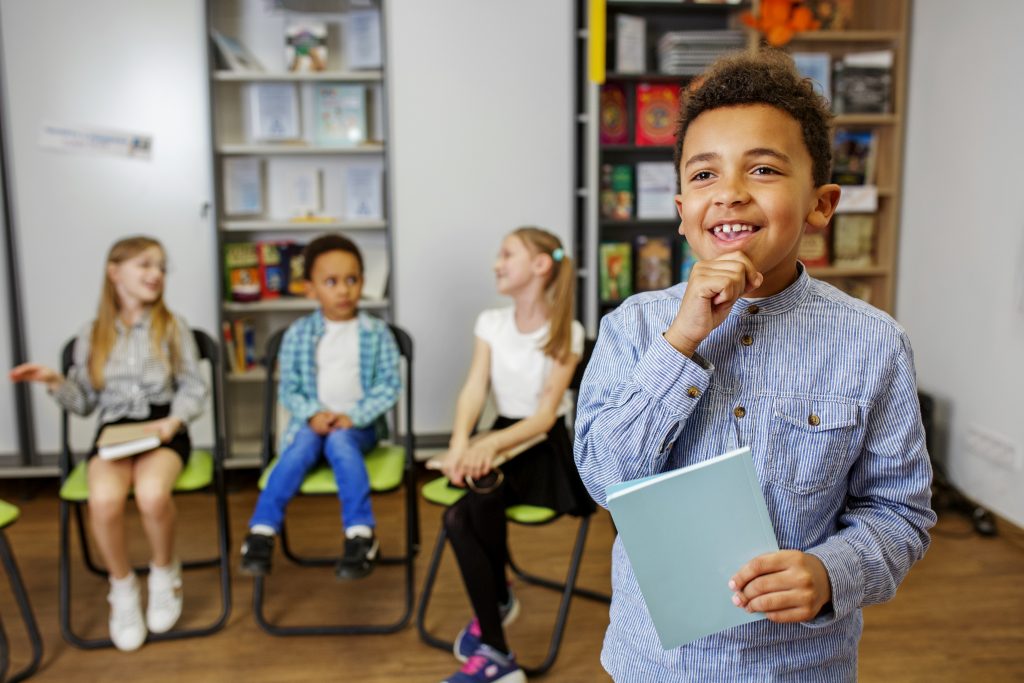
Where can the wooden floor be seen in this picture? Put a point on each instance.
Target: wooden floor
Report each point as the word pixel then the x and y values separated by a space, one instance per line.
pixel 958 617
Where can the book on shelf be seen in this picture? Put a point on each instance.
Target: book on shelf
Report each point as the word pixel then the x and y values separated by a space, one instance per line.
pixel 364 192
pixel 241 272
pixel 816 66
pixel 617 191
pixel 228 336
pixel 614 117
pixel 687 259
pixel 243 186
pixel 294 258
pixel 245 345
pixel 653 263
pixel 853 239
pixel 655 189
pixel 630 44
pixel 123 440
pixel 232 54
pixel 832 15
pixel 339 114
pixel 361 41
pixel 853 156
pixel 689 53
pixel 858 199
pixel 686 533
pixel 657 108
pixel 273 278
pixel 616 271
pixel 273 112
pixel 862 83
pixel 813 251
pixel 305 46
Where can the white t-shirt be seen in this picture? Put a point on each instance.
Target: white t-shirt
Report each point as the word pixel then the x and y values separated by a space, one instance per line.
pixel 337 366
pixel 519 367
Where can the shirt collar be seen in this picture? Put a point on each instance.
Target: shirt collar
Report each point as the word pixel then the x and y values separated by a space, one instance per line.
pixel 784 301
pixel 142 322
pixel 320 322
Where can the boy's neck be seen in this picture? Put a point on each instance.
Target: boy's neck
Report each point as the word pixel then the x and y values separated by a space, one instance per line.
pixel 342 319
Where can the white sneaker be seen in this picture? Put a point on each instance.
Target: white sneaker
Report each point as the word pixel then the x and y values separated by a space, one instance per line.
pixel 127 629
pixel 165 597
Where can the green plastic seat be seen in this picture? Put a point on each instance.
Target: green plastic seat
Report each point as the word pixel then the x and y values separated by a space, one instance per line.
pixel 439 493
pixel 385 464
pixel 197 474
pixel 8 514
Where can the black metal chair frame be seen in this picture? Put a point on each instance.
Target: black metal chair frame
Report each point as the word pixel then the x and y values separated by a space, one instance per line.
pixel 31 627
pixel 211 352
pixel 567 588
pixel 408 558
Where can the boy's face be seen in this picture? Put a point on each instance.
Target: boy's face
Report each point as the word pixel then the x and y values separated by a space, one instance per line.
pixel 336 281
pixel 746 185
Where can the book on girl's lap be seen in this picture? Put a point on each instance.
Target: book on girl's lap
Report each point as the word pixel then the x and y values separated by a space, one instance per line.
pixel 123 440
pixel 500 459
pixel 687 532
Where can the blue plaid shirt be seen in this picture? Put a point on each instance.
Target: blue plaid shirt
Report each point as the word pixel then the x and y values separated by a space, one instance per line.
pixel 378 373
pixel 851 485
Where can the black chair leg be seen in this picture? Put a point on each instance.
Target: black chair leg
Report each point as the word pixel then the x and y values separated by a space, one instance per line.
pixel 428 588
pixel 31 627
pixel 556 585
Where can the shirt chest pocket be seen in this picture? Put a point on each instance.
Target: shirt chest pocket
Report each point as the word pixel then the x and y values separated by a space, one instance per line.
pixel 810 441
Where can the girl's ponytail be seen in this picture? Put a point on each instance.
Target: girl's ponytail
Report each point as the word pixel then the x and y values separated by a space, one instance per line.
pixel 560 289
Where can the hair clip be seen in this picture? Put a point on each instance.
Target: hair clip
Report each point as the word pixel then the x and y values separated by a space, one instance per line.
pixel 558 254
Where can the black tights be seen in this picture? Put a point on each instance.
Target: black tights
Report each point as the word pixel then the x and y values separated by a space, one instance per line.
pixel 479 536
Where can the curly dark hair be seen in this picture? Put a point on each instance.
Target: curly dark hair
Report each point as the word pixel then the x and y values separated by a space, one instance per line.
pixel 323 244
pixel 764 77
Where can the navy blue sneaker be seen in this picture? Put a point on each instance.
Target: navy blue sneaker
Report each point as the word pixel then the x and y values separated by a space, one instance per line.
pixel 468 640
pixel 487 665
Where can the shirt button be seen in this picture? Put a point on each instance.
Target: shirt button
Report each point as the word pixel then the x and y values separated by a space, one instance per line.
pixel 746 340
pixel 814 420
pixel 752 309
pixel 739 411
pixel 693 392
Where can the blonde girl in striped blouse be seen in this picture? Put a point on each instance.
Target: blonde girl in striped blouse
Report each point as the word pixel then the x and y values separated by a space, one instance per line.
pixel 136 362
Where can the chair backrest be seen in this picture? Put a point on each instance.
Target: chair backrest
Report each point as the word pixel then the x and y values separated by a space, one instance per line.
pixel 270 426
pixel 208 350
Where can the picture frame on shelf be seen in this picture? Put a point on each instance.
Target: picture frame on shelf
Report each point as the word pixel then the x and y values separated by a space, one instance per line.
pixel 364 193
pixel 243 186
pixel 339 114
pixel 273 112
pixel 362 39
pixel 234 55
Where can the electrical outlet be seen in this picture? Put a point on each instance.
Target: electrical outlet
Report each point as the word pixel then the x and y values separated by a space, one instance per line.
pixel 997 449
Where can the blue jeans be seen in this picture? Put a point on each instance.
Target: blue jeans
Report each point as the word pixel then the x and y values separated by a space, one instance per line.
pixel 344 450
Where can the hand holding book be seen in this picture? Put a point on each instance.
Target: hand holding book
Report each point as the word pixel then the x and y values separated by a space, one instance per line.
pixel 478 458
pixel 786 586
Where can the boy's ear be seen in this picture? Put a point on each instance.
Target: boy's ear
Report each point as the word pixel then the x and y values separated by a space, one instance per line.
pixel 308 288
pixel 826 201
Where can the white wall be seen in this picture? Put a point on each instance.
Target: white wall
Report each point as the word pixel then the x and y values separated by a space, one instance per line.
pixel 961 271
pixel 482 132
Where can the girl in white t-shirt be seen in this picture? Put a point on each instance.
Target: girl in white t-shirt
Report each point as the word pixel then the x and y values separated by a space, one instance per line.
pixel 526 354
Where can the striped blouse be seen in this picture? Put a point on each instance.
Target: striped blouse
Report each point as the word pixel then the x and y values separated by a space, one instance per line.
pixel 135 377
pixel 822 388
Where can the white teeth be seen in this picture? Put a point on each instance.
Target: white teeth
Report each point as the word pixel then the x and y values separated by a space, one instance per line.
pixel 732 227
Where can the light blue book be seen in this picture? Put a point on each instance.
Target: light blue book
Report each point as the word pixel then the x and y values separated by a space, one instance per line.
pixel 687 532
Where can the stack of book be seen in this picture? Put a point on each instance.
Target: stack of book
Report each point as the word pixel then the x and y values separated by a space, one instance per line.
pixel 688 53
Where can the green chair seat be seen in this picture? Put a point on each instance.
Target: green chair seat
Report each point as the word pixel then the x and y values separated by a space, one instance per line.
pixel 8 514
pixel 197 474
pixel 385 464
pixel 439 493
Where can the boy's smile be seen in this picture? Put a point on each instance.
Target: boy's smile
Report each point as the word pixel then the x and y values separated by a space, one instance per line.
pixel 746 185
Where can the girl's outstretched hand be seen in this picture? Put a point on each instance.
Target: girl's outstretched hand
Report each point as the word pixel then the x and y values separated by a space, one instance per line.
pixel 34 372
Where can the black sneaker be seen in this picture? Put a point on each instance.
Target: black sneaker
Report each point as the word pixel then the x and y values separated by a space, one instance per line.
pixel 256 552
pixel 359 559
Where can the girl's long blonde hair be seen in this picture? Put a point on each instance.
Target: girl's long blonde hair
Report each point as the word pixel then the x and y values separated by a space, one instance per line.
pixel 163 331
pixel 560 289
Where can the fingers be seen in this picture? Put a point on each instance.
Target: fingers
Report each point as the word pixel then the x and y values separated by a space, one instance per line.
pixel 762 564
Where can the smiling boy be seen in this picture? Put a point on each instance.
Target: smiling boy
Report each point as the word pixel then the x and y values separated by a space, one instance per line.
pixel 752 351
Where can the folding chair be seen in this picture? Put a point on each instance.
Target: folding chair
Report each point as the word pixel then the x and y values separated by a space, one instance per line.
pixel 390 467
pixel 8 515
pixel 439 493
pixel 204 472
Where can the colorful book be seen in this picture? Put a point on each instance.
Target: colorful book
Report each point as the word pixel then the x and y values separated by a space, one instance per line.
pixel 814 247
pixel 306 46
pixel 339 113
pixel 621 180
pixel 229 344
pixel 295 260
pixel 657 110
pixel 853 157
pixel 241 272
pixel 653 263
pixel 862 83
pixel 614 116
pixel 273 278
pixel 686 533
pixel 616 276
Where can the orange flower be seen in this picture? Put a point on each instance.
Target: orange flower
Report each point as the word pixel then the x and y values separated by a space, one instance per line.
pixel 780 20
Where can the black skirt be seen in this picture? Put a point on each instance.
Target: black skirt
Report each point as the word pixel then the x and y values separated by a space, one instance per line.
pixel 180 443
pixel 545 475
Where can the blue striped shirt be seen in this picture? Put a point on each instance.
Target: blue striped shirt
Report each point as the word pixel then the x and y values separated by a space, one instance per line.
pixel 378 373
pixel 832 417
